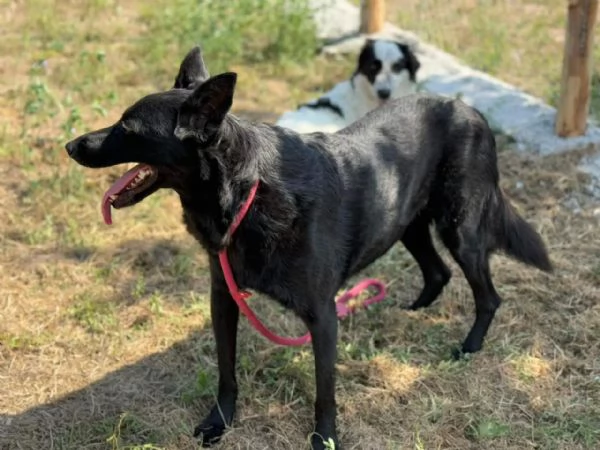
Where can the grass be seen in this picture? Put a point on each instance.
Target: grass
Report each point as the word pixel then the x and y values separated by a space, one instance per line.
pixel 520 42
pixel 105 339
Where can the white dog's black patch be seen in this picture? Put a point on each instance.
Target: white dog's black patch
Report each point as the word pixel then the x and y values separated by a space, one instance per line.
pixel 325 103
pixel 385 70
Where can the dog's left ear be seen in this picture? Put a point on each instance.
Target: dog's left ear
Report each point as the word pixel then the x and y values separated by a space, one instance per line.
pixel 412 63
pixel 192 71
pixel 202 113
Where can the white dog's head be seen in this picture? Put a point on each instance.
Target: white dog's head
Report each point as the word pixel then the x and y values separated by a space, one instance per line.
pixel 386 69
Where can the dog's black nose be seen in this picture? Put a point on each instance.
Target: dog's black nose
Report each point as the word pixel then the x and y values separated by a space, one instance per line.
pixel 384 94
pixel 71 146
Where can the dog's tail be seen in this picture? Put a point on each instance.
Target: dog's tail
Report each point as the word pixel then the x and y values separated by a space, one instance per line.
pixel 518 238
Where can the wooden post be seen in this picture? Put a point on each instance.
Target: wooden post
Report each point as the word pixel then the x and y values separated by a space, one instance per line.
pixel 574 104
pixel 372 16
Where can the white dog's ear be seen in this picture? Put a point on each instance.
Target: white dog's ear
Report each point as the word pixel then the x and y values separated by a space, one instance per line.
pixel 412 63
pixel 192 71
pixel 201 114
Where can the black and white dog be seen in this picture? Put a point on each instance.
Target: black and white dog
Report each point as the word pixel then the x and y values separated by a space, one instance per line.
pixel 326 206
pixel 385 70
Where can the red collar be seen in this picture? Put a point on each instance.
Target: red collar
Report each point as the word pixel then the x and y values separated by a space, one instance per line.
pixel 240 296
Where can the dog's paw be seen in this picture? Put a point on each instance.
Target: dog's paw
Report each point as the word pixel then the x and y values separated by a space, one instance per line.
pixel 208 433
pixel 213 426
pixel 417 305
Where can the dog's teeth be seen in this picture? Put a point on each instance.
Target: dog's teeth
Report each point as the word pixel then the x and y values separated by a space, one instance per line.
pixel 140 176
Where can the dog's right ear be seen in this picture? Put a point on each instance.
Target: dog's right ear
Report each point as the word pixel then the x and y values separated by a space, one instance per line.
pixel 202 113
pixel 192 71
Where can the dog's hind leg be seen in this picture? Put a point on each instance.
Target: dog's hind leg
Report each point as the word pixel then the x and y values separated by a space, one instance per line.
pixel 473 258
pixel 225 315
pixel 417 240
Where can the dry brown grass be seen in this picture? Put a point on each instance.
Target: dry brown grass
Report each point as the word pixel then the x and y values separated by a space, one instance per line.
pixel 104 332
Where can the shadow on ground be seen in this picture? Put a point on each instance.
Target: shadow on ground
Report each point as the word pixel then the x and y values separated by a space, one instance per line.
pixel 156 387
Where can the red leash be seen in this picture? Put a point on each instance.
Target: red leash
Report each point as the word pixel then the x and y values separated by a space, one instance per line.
pixel 342 303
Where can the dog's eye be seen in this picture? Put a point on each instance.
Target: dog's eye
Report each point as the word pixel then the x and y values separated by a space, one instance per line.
pixel 398 66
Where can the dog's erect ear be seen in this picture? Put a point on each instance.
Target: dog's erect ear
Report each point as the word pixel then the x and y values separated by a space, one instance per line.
pixel 412 63
pixel 192 71
pixel 202 113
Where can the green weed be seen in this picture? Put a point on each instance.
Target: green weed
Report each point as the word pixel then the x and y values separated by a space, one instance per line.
pixel 129 427
pixel 94 314
pixel 203 386
pixel 487 429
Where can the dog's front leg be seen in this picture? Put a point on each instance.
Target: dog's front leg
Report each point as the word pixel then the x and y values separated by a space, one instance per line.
pixel 224 314
pixel 323 328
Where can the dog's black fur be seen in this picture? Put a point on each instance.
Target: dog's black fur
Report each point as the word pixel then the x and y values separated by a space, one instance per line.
pixel 328 205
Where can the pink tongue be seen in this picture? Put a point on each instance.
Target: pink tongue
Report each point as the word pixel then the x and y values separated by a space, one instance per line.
pixel 118 187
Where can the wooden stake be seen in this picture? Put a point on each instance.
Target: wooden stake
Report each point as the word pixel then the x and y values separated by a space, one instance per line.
pixel 573 107
pixel 372 16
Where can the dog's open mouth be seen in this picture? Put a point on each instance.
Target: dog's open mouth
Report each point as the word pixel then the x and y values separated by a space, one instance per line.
pixel 135 185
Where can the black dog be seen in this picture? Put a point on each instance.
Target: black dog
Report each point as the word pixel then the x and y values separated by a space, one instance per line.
pixel 328 205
